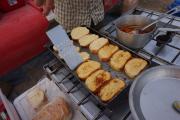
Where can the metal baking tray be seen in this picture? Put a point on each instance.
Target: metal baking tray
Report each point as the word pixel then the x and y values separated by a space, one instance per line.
pixel 104 65
pixel 159 87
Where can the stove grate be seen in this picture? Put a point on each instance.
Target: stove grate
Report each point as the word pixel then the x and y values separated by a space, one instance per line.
pixel 161 54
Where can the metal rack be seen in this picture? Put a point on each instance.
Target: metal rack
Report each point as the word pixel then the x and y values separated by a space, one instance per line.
pixel 87 104
pixel 166 54
pixel 68 84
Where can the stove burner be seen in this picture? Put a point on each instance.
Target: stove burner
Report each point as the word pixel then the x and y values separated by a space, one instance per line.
pixel 164 39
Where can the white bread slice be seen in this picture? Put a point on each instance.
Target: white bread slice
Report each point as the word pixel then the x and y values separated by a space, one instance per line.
pixel 97 80
pixel 87 68
pixel 97 44
pixel 87 39
pixel 85 56
pixel 134 66
pixel 55 49
pixel 36 98
pixel 78 49
pixel 106 52
pixel 119 59
pixel 79 32
pixel 111 89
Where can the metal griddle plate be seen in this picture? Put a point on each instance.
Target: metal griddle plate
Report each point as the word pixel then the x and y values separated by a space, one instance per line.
pixel 105 66
pixel 153 93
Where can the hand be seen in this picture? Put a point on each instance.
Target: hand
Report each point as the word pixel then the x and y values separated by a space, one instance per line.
pixel 130 2
pixel 39 2
pixel 48 6
pixel 128 5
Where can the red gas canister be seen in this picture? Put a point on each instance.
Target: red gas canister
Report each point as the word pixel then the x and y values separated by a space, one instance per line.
pixel 9 5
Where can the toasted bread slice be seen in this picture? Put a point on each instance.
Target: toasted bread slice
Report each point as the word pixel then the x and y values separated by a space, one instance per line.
pixel 87 68
pixel 78 49
pixel 119 59
pixel 79 32
pixel 85 56
pixel 106 52
pixel 134 66
pixel 111 89
pixel 87 39
pixel 97 44
pixel 97 79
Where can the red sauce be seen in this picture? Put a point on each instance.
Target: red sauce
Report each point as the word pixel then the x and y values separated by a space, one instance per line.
pixel 133 29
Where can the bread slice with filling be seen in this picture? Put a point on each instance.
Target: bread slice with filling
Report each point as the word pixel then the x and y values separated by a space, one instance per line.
pixel 79 32
pixel 87 39
pixel 97 44
pixel 111 89
pixel 97 80
pixel 87 68
pixel 134 66
pixel 106 52
pixel 119 59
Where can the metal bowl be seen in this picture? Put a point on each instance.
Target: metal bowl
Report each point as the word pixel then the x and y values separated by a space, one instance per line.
pixel 153 94
pixel 135 41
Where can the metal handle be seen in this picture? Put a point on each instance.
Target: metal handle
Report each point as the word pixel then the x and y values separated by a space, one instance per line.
pixel 168 13
pixel 169 29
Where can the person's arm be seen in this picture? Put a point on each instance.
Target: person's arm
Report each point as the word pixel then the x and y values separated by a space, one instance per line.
pixel 39 2
pixel 48 5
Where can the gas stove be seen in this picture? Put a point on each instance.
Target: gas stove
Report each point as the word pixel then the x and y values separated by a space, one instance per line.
pixel 118 110
pixel 167 52
pixel 164 53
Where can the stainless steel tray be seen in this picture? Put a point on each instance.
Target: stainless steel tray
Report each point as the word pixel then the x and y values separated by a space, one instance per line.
pixel 152 94
pixel 105 65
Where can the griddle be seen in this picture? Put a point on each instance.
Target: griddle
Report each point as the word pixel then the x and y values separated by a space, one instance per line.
pixel 105 65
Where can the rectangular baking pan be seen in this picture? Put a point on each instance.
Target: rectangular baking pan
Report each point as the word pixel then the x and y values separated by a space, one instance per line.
pixel 105 65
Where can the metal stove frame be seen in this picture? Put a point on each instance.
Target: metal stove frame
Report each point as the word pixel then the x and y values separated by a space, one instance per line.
pixel 68 84
pixel 172 21
pixel 83 99
pixel 85 102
